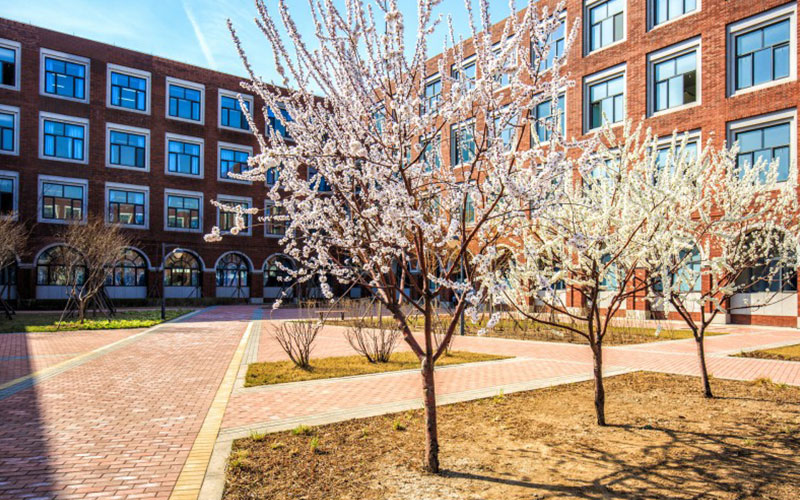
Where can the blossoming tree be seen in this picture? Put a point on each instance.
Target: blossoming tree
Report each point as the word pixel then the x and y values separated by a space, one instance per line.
pixel 591 244
pixel 734 229
pixel 363 190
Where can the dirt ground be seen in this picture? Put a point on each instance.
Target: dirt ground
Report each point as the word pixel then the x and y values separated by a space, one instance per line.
pixel 664 441
pixel 788 353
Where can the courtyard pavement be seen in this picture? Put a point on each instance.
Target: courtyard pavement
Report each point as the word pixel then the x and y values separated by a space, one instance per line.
pixel 151 413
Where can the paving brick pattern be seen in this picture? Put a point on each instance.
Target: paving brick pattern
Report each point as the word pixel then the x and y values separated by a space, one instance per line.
pixel 121 425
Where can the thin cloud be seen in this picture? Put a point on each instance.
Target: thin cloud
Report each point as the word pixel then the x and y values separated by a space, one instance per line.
pixel 201 39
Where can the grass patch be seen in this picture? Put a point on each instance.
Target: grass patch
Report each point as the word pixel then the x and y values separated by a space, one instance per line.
pixel 278 372
pixel 665 440
pixel 788 353
pixel 618 334
pixel 48 322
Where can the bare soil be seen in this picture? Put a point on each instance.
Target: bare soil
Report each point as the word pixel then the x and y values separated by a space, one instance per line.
pixel 664 441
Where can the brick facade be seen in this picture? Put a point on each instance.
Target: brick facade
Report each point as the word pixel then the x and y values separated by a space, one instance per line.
pixel 715 109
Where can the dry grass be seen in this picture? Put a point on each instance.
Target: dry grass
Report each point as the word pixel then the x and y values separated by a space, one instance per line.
pixel 788 353
pixel 665 441
pixel 621 332
pixel 278 372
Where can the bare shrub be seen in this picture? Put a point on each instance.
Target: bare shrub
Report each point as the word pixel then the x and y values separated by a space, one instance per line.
pixel 296 338
pixel 376 344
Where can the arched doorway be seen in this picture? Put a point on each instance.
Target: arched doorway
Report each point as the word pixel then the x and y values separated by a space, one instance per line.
pixel 128 278
pixel 277 282
pixel 182 275
pixel 233 276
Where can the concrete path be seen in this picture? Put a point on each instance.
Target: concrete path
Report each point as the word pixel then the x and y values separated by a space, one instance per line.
pixel 138 413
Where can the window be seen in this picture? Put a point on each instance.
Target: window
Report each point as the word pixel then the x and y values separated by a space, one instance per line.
pixel 273 173
pixel 53 267
pixel 128 88
pixel 227 220
pixel 278 122
pixel 186 100
pixel 232 271
pixel 63 138
pixel 506 129
pixel 433 92
pixel 667 10
pixel 317 181
pixel 129 270
pixel 9 202
pixel 64 75
pixel 674 74
pixel 503 77
pixel 9 64
pixel 550 115
pixel 181 269
pixel 664 158
pixel 688 276
pixel 605 97
pixel 766 276
pixel 432 156
pixel 766 138
pixel 466 73
pixel 184 210
pixel 233 160
pixel 275 222
pixel 606 21
pixel 763 49
pixel 231 115
pixel 9 125
pixel 62 199
pixel 556 43
pixel 127 204
pixel 462 143
pixel 469 210
pixel 184 156
pixel 275 271
pixel 127 147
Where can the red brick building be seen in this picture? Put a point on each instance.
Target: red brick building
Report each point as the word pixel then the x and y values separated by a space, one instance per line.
pixel 721 69
pixel 91 129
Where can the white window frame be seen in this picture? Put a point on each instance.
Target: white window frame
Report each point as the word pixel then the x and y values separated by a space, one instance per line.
pixel 765 120
pixel 561 91
pixel 235 200
pixel 234 95
pixel 185 194
pixel 17 48
pixel 692 45
pixel 587 27
pixel 269 203
pixel 116 127
pixel 184 138
pixel 62 180
pixel 14 111
pixel 460 67
pixel 124 70
pixel 470 122
pixel 599 77
pixel 693 135
pixel 562 17
pixel 235 147
pixel 495 46
pixel 54 54
pixel 14 176
pixel 189 85
pixel 651 15
pixel 129 187
pixel 72 120
pixel 787 11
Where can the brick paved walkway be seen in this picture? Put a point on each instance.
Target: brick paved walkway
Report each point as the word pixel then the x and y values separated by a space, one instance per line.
pixel 120 422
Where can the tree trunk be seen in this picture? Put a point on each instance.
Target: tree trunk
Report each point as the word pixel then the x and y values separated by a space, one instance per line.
pixel 701 357
pixel 431 433
pixel 599 390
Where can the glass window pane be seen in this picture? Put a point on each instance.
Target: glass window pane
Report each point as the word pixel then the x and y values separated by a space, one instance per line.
pixel 776 33
pixel 777 135
pixel 762 66
pixel 781 62
pixel 748 42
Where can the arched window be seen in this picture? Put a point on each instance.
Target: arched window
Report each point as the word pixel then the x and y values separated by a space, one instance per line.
pixel 275 276
pixel 609 281
pixel 688 276
pixel 766 276
pixel 181 269
pixel 233 271
pixel 8 275
pixel 129 270
pixel 53 265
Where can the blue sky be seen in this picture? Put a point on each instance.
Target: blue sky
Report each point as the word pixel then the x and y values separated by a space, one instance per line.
pixel 191 31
